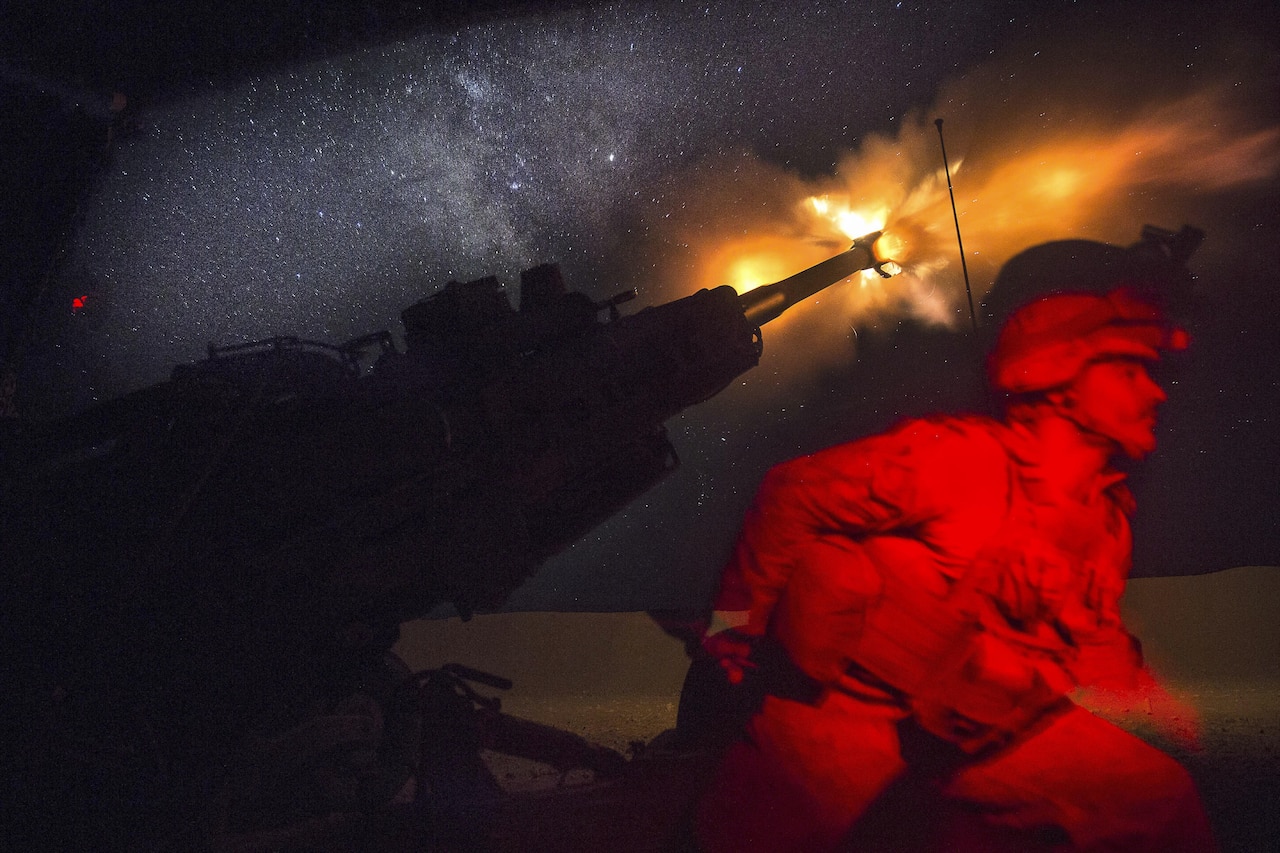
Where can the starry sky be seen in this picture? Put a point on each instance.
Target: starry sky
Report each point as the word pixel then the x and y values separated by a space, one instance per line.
pixel 322 199
pixel 638 145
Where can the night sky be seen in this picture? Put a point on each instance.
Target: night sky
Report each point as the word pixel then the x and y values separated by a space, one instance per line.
pixel 322 199
pixel 652 145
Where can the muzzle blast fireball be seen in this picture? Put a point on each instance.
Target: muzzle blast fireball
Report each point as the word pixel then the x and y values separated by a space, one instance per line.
pixel 768 302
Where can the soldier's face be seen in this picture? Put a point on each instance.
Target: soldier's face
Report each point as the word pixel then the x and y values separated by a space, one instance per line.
pixel 1116 399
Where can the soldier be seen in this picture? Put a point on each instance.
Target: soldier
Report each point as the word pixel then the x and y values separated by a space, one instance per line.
pixel 943 587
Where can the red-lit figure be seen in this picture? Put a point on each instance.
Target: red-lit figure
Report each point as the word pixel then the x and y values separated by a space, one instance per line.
pixel 944 587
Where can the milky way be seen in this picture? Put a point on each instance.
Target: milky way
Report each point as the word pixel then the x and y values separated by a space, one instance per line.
pixel 322 199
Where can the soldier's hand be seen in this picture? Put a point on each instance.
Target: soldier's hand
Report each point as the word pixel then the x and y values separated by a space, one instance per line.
pixel 731 649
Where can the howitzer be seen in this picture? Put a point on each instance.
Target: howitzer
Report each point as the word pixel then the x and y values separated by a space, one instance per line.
pixel 445 473
pixel 225 557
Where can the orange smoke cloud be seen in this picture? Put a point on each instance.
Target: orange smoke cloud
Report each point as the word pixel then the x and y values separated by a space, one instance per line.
pixel 1072 153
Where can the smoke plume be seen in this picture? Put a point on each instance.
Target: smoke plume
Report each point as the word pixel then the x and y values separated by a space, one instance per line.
pixel 1086 137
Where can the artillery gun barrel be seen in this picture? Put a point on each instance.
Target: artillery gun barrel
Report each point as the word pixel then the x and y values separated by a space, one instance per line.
pixel 768 302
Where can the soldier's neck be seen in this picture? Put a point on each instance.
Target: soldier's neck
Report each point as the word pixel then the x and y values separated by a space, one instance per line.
pixel 1067 458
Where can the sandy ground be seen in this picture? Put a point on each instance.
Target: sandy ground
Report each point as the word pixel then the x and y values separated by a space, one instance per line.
pixel 614 679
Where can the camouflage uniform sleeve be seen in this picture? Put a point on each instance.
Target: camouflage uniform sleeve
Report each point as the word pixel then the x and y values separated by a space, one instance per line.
pixel 1107 655
pixel 877 484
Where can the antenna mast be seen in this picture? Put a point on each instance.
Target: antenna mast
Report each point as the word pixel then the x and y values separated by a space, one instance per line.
pixel 968 292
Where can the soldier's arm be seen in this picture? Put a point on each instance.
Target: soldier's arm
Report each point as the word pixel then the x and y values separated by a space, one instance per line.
pixel 813 515
pixel 847 491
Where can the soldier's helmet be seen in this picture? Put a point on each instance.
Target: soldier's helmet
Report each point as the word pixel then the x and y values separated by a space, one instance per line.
pixel 1047 342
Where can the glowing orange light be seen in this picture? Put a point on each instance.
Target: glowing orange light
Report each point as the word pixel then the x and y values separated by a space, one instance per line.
pixel 1061 171
pixel 749 263
pixel 892 246
pixel 752 271
pixel 1061 183
pixel 79 302
pixel 851 221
